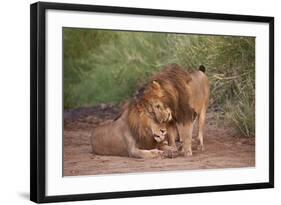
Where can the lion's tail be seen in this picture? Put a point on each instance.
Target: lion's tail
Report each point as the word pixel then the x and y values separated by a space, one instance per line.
pixel 202 68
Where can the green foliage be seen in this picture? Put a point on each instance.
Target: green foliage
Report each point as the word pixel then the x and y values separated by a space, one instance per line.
pixel 108 66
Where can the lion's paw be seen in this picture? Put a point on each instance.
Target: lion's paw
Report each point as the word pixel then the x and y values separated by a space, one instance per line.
pixel 155 153
pixel 200 147
pixel 187 153
pixel 170 153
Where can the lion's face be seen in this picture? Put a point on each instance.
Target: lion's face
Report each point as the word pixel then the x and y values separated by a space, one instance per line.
pixel 159 111
pixel 159 131
pixel 154 95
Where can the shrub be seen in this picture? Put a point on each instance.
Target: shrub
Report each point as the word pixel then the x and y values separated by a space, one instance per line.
pixel 108 66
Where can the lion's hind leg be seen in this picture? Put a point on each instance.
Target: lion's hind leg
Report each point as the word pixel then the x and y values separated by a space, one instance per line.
pixel 201 125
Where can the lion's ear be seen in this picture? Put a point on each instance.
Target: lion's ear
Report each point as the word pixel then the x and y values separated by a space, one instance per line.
pixel 156 84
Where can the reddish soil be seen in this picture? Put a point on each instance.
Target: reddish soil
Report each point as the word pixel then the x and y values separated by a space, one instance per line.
pixel 224 148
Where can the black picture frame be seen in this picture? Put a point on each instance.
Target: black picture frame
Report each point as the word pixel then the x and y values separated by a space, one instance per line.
pixel 38 101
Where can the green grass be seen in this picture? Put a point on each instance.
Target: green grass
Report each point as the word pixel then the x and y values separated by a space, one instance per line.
pixel 107 67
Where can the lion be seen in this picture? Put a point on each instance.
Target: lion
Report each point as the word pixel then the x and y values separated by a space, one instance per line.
pixel 186 94
pixel 134 133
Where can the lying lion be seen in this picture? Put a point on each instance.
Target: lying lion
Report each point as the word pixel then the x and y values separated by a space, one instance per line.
pixel 135 133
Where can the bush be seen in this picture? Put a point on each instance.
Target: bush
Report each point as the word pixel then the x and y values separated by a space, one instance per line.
pixel 107 67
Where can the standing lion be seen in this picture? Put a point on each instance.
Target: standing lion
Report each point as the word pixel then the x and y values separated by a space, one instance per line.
pixel 186 94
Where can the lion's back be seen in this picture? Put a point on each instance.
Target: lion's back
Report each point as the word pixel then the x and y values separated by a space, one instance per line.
pixel 108 140
pixel 199 89
pixel 185 92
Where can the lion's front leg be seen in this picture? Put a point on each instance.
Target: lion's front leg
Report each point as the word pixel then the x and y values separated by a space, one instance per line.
pixel 172 135
pixel 134 151
pixel 185 132
pixel 146 154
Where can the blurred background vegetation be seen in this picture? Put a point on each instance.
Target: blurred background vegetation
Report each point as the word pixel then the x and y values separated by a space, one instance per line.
pixel 107 67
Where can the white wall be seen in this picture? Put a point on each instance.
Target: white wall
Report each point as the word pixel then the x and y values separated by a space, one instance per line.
pixel 14 101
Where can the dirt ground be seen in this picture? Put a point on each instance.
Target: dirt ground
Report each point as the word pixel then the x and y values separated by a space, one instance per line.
pixel 224 148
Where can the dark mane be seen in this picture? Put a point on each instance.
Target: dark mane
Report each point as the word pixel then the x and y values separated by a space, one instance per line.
pixel 138 121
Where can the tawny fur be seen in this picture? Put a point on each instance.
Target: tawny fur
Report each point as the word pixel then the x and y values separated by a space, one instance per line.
pixel 130 134
pixel 187 95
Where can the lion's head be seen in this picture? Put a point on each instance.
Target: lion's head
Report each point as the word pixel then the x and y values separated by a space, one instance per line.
pixel 169 90
pixel 153 97
pixel 148 119
pixel 157 130
pixel 159 111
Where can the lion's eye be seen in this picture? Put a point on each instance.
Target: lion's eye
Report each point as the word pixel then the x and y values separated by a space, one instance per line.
pixel 158 106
